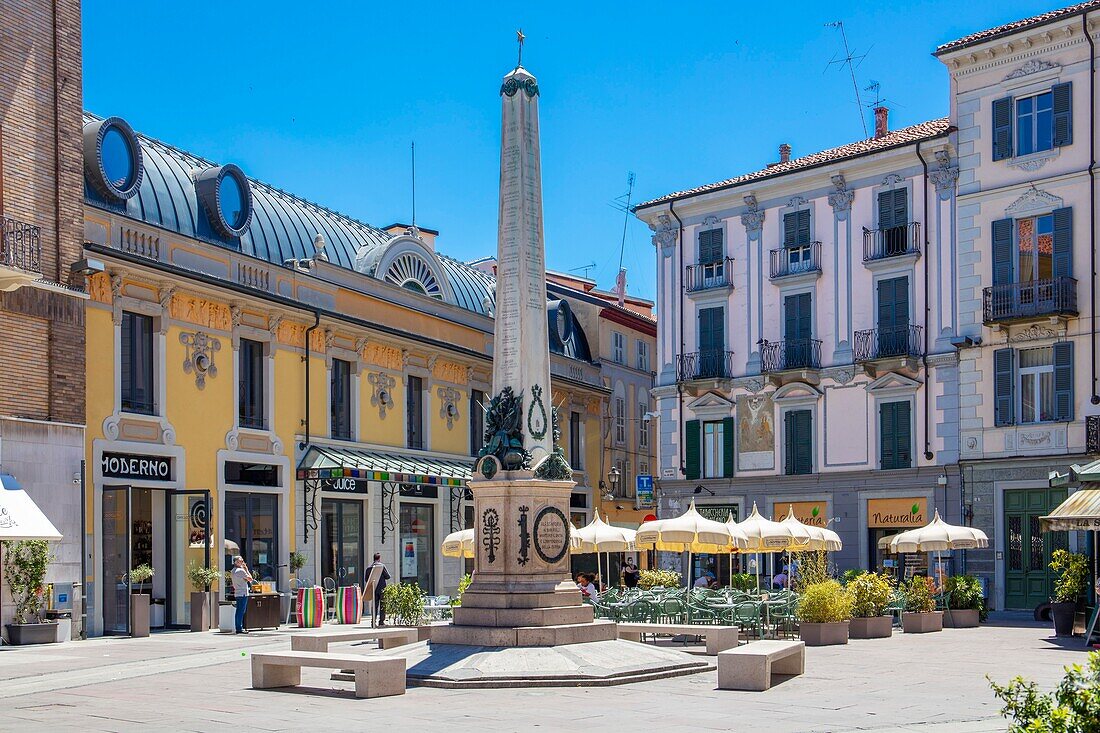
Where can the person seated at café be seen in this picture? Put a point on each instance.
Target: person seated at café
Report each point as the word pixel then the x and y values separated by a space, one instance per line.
pixel 587 587
pixel 706 580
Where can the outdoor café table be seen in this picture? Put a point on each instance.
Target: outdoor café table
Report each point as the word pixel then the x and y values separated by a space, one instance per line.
pixel 726 608
pixel 617 608
pixel 767 604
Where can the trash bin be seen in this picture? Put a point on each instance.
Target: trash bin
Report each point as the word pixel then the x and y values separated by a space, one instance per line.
pixel 64 621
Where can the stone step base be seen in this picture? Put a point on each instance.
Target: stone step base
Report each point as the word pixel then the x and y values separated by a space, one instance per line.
pixel 492 599
pixel 508 617
pixel 511 636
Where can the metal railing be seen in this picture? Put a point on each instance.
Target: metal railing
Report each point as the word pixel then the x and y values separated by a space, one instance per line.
pixel 787 261
pixel 1032 299
pixel 880 244
pixel 20 245
pixel 877 343
pixel 778 356
pixel 704 365
pixel 707 275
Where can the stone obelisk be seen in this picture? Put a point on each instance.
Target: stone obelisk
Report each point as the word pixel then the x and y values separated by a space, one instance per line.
pixel 521 593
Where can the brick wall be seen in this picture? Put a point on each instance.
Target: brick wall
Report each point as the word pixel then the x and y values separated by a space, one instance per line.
pixel 42 331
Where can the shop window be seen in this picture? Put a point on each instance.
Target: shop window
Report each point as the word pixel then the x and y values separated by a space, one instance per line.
pixel 251 384
pixel 477 421
pixel 137 364
pixel 417 548
pixel 340 399
pixel 251 522
pixel 251 474
pixel 414 413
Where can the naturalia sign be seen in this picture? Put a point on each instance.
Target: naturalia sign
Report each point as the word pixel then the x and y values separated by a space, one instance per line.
pixel 908 512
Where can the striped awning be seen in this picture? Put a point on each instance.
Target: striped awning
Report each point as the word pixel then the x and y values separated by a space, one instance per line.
pixel 1080 511
pixel 320 462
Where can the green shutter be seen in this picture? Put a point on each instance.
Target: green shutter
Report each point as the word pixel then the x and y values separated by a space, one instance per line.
pixel 710 246
pixel 796 315
pixel 712 329
pixel 1004 378
pixel 727 447
pixel 1003 256
pixel 798 433
pixel 1062 262
pixel 1063 381
pixel 1062 120
pixel 789 439
pixel 903 449
pixel 803 232
pixel 691 449
pixel 790 229
pixel 887 435
pixel 893 208
pixel 1002 128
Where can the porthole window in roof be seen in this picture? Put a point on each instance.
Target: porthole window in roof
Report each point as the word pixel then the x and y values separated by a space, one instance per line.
pixel 118 159
pixel 231 201
pixel 112 158
pixel 227 199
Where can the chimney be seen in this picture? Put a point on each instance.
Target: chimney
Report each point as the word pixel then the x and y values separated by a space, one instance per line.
pixel 882 121
pixel 784 153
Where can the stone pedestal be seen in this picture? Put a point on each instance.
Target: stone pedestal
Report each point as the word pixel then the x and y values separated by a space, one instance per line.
pixel 521 594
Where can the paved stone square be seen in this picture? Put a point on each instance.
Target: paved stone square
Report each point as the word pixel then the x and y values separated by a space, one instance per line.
pixel 192 682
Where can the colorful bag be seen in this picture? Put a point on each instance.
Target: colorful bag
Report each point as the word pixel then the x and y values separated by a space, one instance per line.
pixel 349 605
pixel 311 607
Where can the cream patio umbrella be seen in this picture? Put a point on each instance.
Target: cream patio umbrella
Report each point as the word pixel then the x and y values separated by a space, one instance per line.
pixel 766 536
pixel 459 544
pixel 690 531
pixel 599 536
pixel 819 538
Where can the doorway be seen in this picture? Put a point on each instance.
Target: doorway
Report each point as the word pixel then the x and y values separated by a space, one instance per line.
pixel 1029 581
pixel 342 551
pixel 251 520
pixel 417 546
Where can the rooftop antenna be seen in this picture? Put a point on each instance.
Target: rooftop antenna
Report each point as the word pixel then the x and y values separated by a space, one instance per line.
pixel 880 101
pixel 412 151
pixel 585 268
pixel 851 61
pixel 623 204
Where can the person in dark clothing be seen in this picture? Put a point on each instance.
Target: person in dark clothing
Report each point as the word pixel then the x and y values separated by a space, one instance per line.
pixel 631 574
pixel 381 586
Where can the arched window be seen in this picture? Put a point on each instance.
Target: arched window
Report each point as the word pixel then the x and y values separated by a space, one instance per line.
pixel 413 273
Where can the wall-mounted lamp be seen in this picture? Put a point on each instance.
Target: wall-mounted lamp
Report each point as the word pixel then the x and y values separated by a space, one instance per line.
pixel 700 489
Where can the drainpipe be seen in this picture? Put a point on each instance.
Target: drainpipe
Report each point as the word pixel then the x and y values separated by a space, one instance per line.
pixel 679 382
pixel 1092 198
pixel 927 309
pixel 307 510
pixel 83 551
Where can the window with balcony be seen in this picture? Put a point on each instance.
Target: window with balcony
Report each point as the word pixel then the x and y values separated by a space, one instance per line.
pixel 340 399
pixel 1032 268
pixel 136 356
pixel 414 413
pixel 618 347
pixel 894 335
pixel 796 241
pixel 1033 385
pixel 1034 123
pixel 251 384
pixel 798 442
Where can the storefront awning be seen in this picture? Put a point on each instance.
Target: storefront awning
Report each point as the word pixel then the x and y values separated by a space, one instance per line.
pixel 1080 511
pixel 320 462
pixel 20 517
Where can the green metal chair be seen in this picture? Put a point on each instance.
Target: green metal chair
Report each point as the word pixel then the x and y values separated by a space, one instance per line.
pixel 896 606
pixel 748 616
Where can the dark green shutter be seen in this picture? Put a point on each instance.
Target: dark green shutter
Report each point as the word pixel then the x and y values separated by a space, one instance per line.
pixel 727 447
pixel 1063 114
pixel 803 232
pixel 887 435
pixel 691 449
pixel 1063 242
pixel 798 428
pixel 796 315
pixel 789 439
pixel 893 305
pixel 710 246
pixel 893 208
pixel 790 229
pixel 1003 256
pixel 1002 128
pixel 902 436
pixel 712 330
pixel 1063 380
pixel 1004 382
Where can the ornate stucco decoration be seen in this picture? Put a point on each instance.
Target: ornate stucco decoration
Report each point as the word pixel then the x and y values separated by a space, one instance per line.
pixel 796 201
pixel 116 294
pixel 754 385
pixel 841 198
pixel 945 176
pixel 753 218
pixel 1034 200
pixel 1034 66
pixel 382 395
pixel 1033 333
pixel 448 407
pixel 664 235
pixel 842 376
pixel 235 315
pixel 710 221
pixel 330 339
pixel 892 180
pixel 199 357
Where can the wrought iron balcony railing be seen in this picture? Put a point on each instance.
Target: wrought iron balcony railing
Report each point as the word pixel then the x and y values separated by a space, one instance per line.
pixel 880 244
pixel 708 275
pixel 878 343
pixel 704 365
pixel 20 245
pixel 1033 299
pixel 797 260
pixel 779 356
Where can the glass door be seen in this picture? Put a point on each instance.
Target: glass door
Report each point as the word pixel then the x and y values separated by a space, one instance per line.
pixel 418 546
pixel 187 520
pixel 116 560
pixel 343 541
pixel 251 520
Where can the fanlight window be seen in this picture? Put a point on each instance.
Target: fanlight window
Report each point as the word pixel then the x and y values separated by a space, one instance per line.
pixel 413 273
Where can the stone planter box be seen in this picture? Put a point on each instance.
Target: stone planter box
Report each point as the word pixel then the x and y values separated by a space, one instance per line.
pixel 139 615
pixel 41 633
pixel 226 617
pixel 922 623
pixel 201 605
pixel 963 618
pixel 824 634
pixel 876 627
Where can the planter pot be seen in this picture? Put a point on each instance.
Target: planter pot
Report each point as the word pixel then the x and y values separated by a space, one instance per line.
pixel 201 603
pixel 922 623
pixel 1064 615
pixel 156 614
pixel 824 634
pixel 21 634
pixel 139 615
pixel 962 618
pixel 227 614
pixel 876 627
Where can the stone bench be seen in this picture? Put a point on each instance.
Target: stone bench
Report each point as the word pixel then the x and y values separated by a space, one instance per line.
pixel 751 667
pixel 719 638
pixel 374 676
pixel 318 642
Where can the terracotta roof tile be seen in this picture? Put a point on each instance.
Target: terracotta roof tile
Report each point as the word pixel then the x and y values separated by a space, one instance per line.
pixel 1018 25
pixel 895 138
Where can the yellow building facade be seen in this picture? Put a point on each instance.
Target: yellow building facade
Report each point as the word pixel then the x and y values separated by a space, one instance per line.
pixel 272 379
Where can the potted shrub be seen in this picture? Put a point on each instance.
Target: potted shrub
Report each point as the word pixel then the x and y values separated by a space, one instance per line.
pixel 965 603
pixel 648 579
pixel 25 565
pixel 1069 588
pixel 297 562
pixel 871 594
pixel 823 614
pixel 404 603
pixel 202 598
pixel 920 615
pixel 743 581
pixel 139 600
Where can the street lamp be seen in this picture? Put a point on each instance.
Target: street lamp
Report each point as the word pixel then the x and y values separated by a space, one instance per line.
pixel 613 478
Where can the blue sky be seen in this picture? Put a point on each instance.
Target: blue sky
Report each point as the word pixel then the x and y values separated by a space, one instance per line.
pixel 323 99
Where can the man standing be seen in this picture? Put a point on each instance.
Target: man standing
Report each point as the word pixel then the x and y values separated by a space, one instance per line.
pixel 242 579
pixel 379 587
